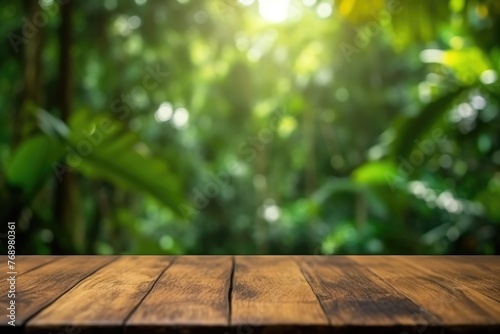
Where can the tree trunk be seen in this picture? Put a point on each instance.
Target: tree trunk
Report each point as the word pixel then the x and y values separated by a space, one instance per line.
pixel 22 121
pixel 65 200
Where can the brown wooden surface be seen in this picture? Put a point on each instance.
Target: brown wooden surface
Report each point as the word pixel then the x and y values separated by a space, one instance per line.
pixel 194 291
pixel 481 278
pixel 38 288
pixel 104 299
pixel 25 264
pixel 272 291
pixel 349 292
pixel 256 294
pixel 453 303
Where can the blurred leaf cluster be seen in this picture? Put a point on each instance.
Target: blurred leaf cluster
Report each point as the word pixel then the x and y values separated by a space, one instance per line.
pixel 240 127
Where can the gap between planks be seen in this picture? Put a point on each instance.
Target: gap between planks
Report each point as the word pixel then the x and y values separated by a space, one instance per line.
pixel 147 293
pixel 32 316
pixel 77 307
pixel 41 260
pixel 230 292
pixel 299 264
pixel 192 293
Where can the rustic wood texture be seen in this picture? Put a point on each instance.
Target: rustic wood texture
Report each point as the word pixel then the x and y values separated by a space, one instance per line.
pixel 487 263
pixel 351 295
pixel 40 287
pixel 256 294
pixel 456 305
pixel 193 292
pixel 25 264
pixel 272 291
pixel 102 301
pixel 479 277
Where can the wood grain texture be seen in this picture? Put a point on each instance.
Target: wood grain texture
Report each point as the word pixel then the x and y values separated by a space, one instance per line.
pixel 351 295
pixel 271 291
pixel 192 293
pixel 256 294
pixel 454 304
pixel 38 288
pixel 471 273
pixel 102 302
pixel 487 263
pixel 25 263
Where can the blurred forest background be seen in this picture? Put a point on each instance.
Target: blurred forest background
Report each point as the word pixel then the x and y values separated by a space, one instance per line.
pixel 250 127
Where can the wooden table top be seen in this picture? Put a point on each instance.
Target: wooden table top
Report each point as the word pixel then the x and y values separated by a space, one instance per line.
pixel 254 294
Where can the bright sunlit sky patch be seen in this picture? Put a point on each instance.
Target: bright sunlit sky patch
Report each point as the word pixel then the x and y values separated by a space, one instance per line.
pixel 246 2
pixel 274 10
pixel 277 11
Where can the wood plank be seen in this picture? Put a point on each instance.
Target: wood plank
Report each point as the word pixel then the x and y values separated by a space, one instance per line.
pixel 352 296
pixel 488 263
pixel 26 263
pixel 38 288
pixel 468 273
pixel 264 294
pixel 456 305
pixel 270 291
pixel 192 293
pixel 103 300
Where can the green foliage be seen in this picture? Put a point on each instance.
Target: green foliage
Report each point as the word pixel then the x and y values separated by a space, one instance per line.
pixel 202 127
pixel 101 148
pixel 39 151
pixel 416 127
pixel 374 173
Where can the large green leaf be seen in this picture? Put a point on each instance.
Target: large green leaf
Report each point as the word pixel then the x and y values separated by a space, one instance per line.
pixel 31 163
pixel 374 173
pixel 411 21
pixel 115 155
pixel 334 186
pixel 129 169
pixel 414 128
